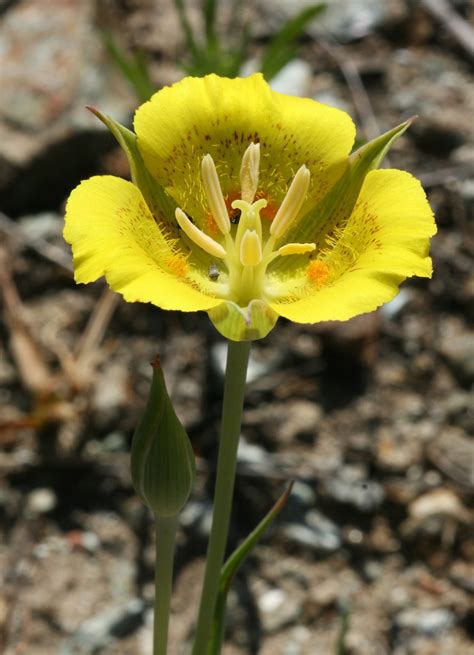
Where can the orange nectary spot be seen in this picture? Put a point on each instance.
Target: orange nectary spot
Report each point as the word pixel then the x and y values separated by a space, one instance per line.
pixel 229 199
pixel 318 273
pixel 177 265
pixel 211 225
pixel 268 212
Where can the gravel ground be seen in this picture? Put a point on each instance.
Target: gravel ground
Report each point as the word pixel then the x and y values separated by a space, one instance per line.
pixel 372 418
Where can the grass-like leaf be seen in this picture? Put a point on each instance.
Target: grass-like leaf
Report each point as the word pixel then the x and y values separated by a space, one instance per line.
pixel 232 565
pixel 282 47
pixel 133 67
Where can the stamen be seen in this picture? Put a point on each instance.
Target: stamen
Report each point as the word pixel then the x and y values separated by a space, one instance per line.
pixel 250 249
pixel 296 248
pixel 249 172
pixel 292 203
pixel 195 234
pixel 214 194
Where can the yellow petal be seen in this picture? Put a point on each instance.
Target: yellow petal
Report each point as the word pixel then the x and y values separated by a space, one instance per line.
pixel 385 240
pixel 113 233
pixel 222 117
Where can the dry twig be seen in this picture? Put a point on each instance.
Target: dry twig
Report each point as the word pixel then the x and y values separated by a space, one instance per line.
pixel 453 22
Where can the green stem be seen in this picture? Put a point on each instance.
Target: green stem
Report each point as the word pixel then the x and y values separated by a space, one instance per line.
pixel 234 390
pixel 165 544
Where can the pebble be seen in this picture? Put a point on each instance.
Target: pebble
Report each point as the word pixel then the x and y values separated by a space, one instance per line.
pixel 196 517
pixel 96 633
pixel 256 368
pixel 299 421
pixel 53 64
pixel 41 501
pixel 294 79
pixel 45 225
pixel 351 486
pixel 332 99
pixel 393 308
pixel 430 623
pixel 466 191
pixel 278 609
pixel 458 350
pixel 317 533
pixel 345 20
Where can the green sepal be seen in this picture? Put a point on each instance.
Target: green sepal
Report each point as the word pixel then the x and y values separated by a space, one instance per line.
pixel 243 323
pixel 231 567
pixel 160 203
pixel 162 460
pixel 338 203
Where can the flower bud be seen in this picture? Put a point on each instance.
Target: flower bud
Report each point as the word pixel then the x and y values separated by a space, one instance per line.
pixel 162 460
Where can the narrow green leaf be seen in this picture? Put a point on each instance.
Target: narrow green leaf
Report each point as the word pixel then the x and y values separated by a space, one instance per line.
pixel 133 68
pixel 187 30
pixel 160 203
pixel 209 13
pixel 341 648
pixel 233 564
pixel 282 47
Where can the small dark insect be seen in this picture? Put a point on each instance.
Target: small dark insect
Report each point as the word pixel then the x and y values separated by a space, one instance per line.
pixel 213 272
pixel 235 216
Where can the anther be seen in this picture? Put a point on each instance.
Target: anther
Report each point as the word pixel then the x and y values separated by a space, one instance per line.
pixel 292 203
pixel 214 194
pixel 296 248
pixel 249 171
pixel 250 249
pixel 195 234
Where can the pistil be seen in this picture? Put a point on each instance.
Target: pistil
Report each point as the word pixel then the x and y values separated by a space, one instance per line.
pixel 246 253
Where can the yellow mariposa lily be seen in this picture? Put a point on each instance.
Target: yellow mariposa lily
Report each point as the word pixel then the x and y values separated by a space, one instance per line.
pixel 247 204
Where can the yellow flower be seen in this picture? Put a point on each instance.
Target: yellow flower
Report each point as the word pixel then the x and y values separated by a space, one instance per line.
pixel 246 203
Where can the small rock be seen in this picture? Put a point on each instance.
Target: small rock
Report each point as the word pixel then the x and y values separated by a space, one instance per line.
pixel 196 517
pixel 293 79
pixel 299 422
pixel 466 191
pixel 46 225
pixel 41 501
pixel 332 99
pixel 98 632
pixel 440 501
pixel 278 609
pixel 115 442
pixel 393 308
pixel 256 367
pixel 53 65
pixel 304 494
pixel 317 533
pixel 345 20
pixel 435 512
pixel 451 452
pixel 88 541
pixel 351 486
pixel 460 411
pixel 254 457
pixel 430 623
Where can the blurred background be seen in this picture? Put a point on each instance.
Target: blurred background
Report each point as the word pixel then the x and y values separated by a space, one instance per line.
pixel 372 417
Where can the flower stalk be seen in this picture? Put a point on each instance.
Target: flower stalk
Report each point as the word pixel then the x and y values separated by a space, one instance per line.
pixel 234 390
pixel 165 530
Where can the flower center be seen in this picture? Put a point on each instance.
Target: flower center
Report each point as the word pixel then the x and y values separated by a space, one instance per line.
pixel 245 252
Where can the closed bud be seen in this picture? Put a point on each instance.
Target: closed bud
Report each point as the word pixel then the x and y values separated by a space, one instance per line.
pixel 162 460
